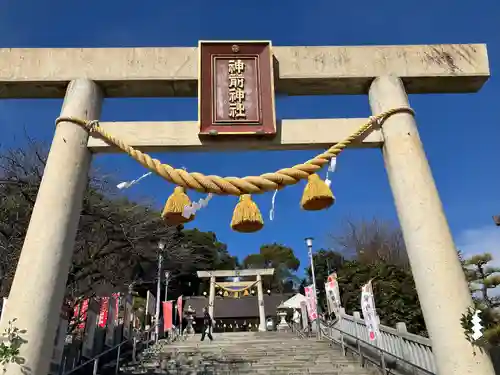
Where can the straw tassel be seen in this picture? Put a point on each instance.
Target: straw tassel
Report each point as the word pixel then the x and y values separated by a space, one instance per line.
pixel 172 213
pixel 246 216
pixel 317 195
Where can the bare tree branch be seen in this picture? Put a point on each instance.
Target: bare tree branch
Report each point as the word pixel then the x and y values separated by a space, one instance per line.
pixel 371 241
pixel 114 234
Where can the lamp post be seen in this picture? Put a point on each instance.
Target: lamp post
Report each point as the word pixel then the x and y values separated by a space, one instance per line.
pixel 167 280
pixel 309 244
pixel 161 247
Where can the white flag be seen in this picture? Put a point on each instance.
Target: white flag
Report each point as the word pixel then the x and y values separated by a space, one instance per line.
pixel 150 303
pixel 333 294
pixel 369 311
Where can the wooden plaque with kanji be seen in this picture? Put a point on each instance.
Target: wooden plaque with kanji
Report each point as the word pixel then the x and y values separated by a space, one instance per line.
pixel 236 88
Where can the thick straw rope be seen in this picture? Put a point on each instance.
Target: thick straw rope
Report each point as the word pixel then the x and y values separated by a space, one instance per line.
pixel 234 185
pixel 236 291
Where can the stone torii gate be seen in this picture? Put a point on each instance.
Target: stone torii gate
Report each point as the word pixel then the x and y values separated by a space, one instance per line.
pixel 257 273
pixel 386 73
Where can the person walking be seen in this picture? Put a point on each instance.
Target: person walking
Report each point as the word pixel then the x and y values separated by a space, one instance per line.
pixel 207 325
pixel 296 320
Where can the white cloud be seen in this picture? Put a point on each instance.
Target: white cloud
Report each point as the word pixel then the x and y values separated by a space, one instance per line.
pixel 480 240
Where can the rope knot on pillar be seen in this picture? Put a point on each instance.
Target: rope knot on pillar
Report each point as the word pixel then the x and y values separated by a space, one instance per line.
pixel 92 126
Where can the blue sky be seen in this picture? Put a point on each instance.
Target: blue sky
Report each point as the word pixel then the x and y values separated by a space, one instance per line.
pixel 465 169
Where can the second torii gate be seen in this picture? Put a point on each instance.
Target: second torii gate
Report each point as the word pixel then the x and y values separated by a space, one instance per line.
pixel 257 273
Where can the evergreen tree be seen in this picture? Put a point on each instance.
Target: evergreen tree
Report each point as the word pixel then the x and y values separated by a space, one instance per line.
pixel 483 279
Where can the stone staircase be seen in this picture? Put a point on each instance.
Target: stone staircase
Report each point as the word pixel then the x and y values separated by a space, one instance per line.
pixel 247 353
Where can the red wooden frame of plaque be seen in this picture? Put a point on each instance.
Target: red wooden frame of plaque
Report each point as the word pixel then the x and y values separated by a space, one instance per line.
pixel 214 88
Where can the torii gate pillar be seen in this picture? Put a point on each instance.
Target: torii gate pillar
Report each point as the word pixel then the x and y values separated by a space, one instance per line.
pixel 442 289
pixel 211 297
pixel 40 281
pixel 262 309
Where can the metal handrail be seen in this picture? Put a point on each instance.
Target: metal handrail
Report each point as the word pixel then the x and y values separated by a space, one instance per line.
pixel 117 347
pixel 174 335
pixel 382 353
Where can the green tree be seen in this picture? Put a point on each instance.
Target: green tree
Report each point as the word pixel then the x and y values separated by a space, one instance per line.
pixel 325 262
pixel 396 298
pixel 484 279
pixel 212 255
pixel 376 251
pixel 214 252
pixel 282 259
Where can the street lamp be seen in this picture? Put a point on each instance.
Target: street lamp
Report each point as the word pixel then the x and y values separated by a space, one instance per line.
pixel 161 247
pixel 309 244
pixel 167 280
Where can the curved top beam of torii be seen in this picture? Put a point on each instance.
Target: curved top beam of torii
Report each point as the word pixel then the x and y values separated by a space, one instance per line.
pixel 173 71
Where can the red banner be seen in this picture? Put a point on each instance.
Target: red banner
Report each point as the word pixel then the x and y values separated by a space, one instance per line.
pixel 167 315
pixel 179 308
pixel 311 302
pixel 80 313
pixel 103 313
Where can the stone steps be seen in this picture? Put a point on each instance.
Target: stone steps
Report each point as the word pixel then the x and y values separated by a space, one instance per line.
pixel 247 353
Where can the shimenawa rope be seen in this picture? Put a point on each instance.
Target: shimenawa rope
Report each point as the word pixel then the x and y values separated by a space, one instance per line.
pixel 234 185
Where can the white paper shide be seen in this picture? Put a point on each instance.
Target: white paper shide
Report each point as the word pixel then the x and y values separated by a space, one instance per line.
pixel 195 206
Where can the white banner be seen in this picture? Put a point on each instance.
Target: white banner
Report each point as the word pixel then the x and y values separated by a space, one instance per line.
pixel 59 342
pixel 333 294
pixel 150 304
pixel 127 319
pixel 111 323
pixel 311 302
pixel 303 313
pixel 369 311
pixel 4 305
pixel 88 340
